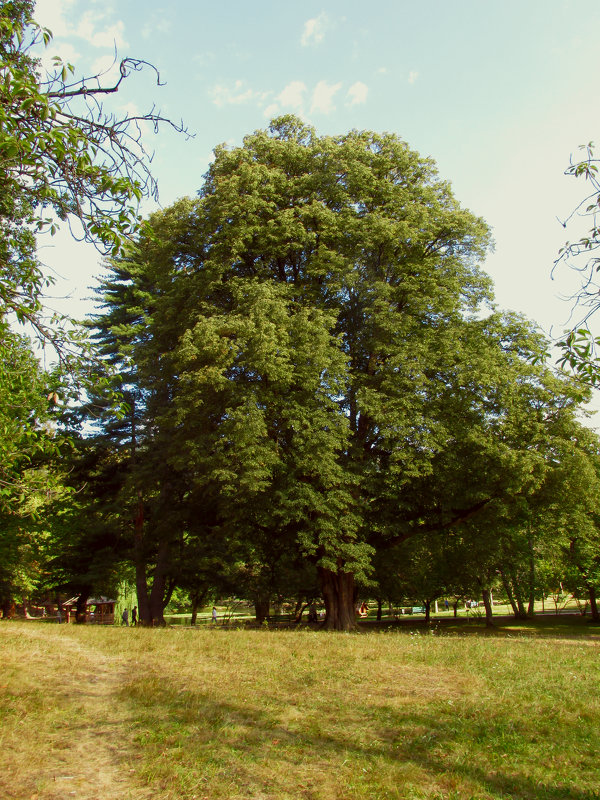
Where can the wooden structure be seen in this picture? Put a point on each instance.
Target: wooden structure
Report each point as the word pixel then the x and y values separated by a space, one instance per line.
pixel 98 610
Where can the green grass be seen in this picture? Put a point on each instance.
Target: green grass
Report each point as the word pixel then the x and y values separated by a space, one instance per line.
pixel 307 714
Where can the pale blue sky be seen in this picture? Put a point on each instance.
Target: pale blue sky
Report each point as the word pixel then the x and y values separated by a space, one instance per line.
pixel 498 92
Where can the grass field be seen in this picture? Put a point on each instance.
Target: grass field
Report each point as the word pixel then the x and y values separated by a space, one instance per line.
pixel 105 713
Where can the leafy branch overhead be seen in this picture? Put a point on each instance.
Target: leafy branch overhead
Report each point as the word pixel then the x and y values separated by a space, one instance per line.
pixel 579 346
pixel 62 151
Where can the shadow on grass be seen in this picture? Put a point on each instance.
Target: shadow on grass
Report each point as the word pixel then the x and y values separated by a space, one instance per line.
pixel 567 626
pixel 490 757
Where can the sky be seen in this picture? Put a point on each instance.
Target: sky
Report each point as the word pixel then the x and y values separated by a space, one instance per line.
pixel 500 93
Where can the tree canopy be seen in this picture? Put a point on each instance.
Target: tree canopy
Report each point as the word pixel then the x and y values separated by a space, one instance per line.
pixel 312 366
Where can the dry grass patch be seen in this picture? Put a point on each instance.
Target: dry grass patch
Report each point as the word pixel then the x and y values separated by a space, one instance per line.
pixel 278 714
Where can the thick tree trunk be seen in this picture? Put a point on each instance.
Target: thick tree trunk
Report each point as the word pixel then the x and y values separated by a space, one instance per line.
pixel 379 609
pixel 428 611
pixel 520 605
pixel 339 595
pixel 455 608
pixel 7 605
pixel 198 598
pixel 489 612
pixel 141 582
pixel 262 606
pixel 159 583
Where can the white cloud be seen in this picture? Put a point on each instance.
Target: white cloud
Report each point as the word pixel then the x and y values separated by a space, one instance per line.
pixel 357 93
pixel 382 71
pixel 293 95
pixel 412 76
pixel 314 30
pixel 54 16
pixel 100 37
pixel 271 111
pixel 225 95
pixel 322 99
pixel 92 27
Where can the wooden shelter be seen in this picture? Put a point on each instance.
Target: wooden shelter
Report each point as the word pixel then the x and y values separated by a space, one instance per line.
pixel 98 610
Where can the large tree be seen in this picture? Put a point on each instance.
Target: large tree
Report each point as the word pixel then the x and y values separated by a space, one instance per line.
pixel 297 342
pixel 311 359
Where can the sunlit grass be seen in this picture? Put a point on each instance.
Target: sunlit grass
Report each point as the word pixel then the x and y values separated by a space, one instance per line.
pixel 286 714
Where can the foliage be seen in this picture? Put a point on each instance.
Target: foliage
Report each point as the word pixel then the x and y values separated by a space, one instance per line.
pixel 579 345
pixel 63 157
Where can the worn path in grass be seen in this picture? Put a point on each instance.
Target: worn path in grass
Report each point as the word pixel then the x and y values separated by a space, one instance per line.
pixel 75 743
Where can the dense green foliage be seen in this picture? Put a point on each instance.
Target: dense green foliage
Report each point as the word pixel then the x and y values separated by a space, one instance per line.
pixel 319 396
pixel 312 379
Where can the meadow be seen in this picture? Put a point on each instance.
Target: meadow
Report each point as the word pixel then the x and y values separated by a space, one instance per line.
pixel 409 712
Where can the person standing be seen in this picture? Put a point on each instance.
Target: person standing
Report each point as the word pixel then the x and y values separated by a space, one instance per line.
pixel 134 616
pixel 125 617
pixel 214 615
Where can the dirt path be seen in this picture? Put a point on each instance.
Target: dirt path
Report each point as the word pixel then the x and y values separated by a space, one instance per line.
pixel 86 744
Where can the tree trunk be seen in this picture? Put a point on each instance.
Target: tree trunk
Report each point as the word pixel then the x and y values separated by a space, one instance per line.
pixel 159 582
pixel 455 608
pixel 509 594
pixel 531 605
pixel 261 607
pixel 339 595
pixel 489 612
pixel 427 611
pixel 198 598
pixel 6 607
pixel 520 605
pixel 379 609
pixel 299 610
pixel 593 604
pixel 81 608
pixel 141 582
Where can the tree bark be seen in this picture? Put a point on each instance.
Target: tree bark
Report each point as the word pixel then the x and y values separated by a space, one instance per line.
pixel 159 582
pixel 593 604
pixel 141 583
pixel 198 596
pixel 379 609
pixel 509 594
pixel 81 608
pixel 531 604
pixel 427 611
pixel 261 608
pixel 339 595
pixel 486 596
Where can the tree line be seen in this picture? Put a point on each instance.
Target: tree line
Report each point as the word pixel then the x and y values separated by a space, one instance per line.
pixel 297 385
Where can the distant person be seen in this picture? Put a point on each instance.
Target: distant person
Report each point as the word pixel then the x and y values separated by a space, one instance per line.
pixel 214 615
pixel 134 616
pixel 58 616
pixel 364 610
pixel 447 604
pixel 125 617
